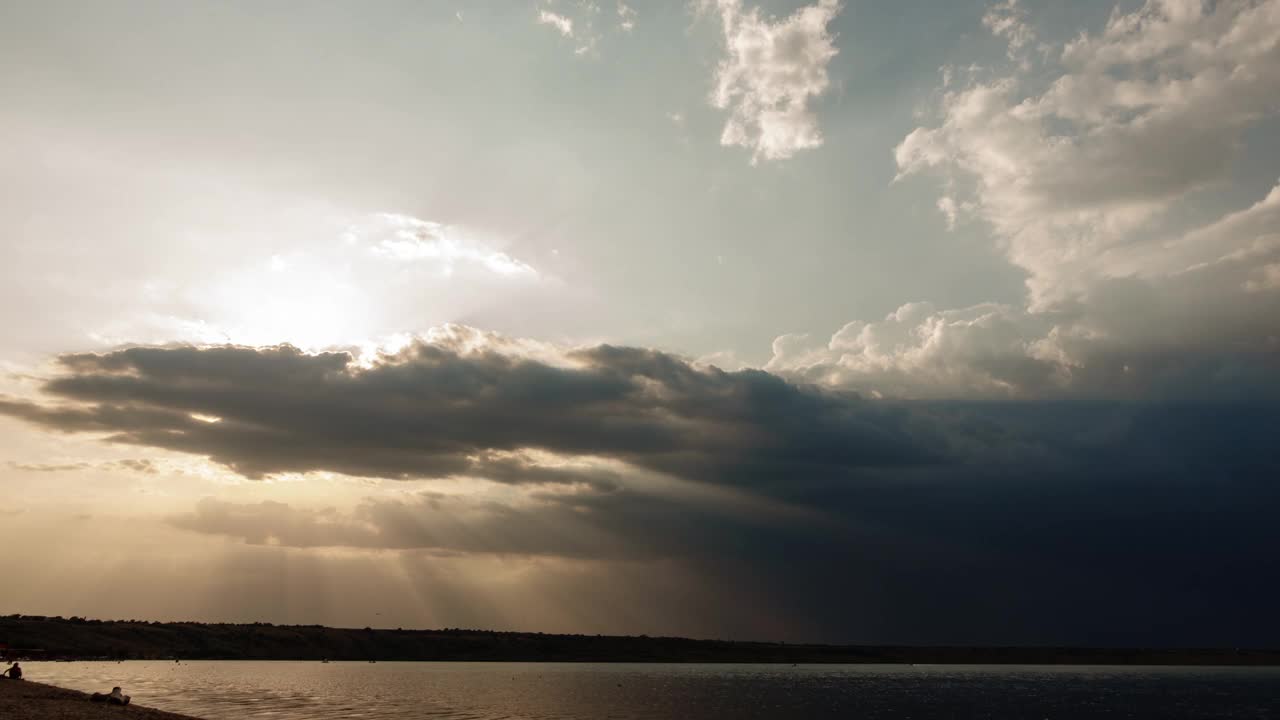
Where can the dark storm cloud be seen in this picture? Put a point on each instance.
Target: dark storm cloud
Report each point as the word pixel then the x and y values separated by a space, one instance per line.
pixel 850 519
pixel 1112 525
pixel 431 411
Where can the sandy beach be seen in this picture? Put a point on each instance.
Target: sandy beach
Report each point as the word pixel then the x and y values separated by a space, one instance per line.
pixel 26 700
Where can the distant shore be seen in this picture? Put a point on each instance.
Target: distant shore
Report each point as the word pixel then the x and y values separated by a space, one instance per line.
pixel 27 700
pixel 56 638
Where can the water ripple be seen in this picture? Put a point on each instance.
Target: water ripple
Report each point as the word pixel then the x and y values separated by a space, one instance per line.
pixel 522 691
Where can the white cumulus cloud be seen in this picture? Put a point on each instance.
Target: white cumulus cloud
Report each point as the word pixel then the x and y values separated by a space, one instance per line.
pixel 1139 116
pixel 772 70
pixel 1083 169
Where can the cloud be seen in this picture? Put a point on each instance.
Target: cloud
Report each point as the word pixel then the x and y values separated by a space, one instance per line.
pixel 408 239
pixel 632 525
pixel 1070 171
pixel 1203 333
pixel 461 405
pixel 128 464
pixel 1064 524
pixel 50 467
pixel 943 520
pixel 772 71
pixel 626 17
pixel 561 23
pixel 582 21
pixel 1070 165
pixel 922 351
pixel 1007 20
pixel 141 466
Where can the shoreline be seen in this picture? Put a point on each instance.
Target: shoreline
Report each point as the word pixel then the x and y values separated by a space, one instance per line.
pixel 85 639
pixel 976 662
pixel 30 700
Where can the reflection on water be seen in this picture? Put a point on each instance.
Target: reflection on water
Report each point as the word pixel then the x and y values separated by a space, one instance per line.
pixel 487 691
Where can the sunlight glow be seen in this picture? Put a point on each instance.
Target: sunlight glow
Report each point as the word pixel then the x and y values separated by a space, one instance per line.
pixel 331 285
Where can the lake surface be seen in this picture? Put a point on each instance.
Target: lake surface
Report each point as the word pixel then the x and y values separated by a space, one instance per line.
pixel 487 691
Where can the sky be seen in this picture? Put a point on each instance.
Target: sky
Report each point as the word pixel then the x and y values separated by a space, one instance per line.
pixel 835 321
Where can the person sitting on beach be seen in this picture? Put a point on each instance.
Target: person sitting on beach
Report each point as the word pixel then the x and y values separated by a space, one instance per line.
pixel 116 697
pixel 14 671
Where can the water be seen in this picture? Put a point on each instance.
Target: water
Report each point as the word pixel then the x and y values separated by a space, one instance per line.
pixel 488 691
